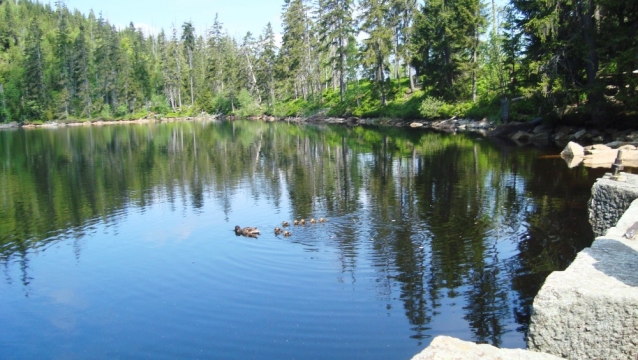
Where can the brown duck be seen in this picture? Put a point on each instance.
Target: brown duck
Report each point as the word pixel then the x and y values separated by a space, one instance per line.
pixel 247 231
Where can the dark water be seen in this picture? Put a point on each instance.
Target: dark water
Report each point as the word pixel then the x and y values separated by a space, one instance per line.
pixel 117 242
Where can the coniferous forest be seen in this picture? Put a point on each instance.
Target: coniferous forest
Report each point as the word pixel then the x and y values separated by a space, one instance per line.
pixel 569 61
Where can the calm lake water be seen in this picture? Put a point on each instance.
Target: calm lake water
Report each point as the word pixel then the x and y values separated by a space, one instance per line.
pixel 117 241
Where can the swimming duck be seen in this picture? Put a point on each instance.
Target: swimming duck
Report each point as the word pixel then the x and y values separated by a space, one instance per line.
pixel 278 231
pixel 285 224
pixel 296 222
pixel 302 221
pixel 313 221
pixel 247 231
pixel 287 233
pixel 322 220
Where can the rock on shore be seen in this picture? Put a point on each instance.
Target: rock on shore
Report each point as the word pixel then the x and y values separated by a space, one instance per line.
pixel 449 348
pixel 538 133
pixel 590 310
pixel 600 155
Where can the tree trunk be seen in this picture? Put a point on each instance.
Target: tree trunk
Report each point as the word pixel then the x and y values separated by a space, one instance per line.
pixel 595 98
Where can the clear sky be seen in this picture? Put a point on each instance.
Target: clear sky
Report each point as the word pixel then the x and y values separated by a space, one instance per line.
pixel 237 16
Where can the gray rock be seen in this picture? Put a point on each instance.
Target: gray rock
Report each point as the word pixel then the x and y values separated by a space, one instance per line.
pixel 562 133
pixel 590 310
pixel 449 348
pixel 578 135
pixel 609 200
pixel 615 144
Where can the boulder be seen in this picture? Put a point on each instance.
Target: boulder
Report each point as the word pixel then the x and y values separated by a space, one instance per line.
pixel 609 200
pixel 573 149
pixel 562 133
pixel 449 348
pixel 590 310
pixel 578 135
pixel 615 144
pixel 416 124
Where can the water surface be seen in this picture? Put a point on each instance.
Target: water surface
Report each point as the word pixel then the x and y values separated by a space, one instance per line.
pixel 117 241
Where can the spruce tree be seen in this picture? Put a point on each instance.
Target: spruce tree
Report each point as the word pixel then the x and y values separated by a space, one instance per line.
pixel 336 27
pixel 377 46
pixel 35 89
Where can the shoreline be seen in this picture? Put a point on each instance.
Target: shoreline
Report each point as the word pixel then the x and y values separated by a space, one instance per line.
pixel 534 132
pixel 453 124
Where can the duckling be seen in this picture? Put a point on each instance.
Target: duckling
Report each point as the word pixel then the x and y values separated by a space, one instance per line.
pixel 285 224
pixel 322 220
pixel 278 231
pixel 302 221
pixel 313 221
pixel 296 222
pixel 247 231
pixel 287 233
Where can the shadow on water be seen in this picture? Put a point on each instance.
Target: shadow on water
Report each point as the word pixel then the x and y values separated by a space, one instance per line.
pixel 445 221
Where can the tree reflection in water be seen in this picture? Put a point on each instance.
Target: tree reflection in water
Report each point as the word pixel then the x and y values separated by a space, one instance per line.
pixel 449 218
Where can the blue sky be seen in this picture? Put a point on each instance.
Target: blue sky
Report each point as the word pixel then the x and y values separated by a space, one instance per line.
pixel 237 16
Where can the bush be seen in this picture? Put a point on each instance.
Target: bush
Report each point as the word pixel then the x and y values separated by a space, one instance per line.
pixel 105 112
pixel 432 107
pixel 246 105
pixel 159 104
pixel 121 110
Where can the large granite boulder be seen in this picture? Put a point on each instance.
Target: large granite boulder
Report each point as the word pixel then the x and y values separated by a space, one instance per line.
pixel 609 200
pixel 449 348
pixel 590 310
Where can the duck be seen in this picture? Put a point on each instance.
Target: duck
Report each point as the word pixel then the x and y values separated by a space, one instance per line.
pixel 287 233
pixel 247 231
pixel 278 231
pixel 285 224
pixel 296 222
pixel 322 220
pixel 313 221
pixel 302 221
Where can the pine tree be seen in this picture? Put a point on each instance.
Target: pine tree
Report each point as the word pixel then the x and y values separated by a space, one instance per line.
pixel 35 89
pixel 266 64
pixel 81 72
pixel 188 41
pixel 377 46
pixel 295 53
pixel 336 27
pixel 446 36
pixel 64 59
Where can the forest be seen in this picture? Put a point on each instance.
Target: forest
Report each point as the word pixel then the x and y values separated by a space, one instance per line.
pixel 566 61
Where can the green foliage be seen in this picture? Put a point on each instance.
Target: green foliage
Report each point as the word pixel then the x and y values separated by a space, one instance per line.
pixel 431 107
pixel 159 104
pixel 105 112
pixel 55 64
pixel 246 105
pixel 121 110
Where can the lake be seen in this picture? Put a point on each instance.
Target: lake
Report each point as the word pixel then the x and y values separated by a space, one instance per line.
pixel 117 241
